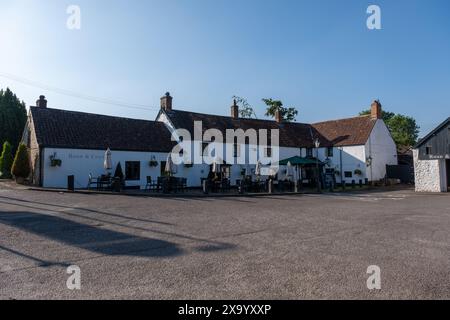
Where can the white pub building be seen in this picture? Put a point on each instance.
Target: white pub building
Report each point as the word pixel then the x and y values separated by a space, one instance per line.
pixel 65 143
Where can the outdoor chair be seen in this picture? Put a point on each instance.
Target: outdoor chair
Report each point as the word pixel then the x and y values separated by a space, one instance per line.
pixel 92 181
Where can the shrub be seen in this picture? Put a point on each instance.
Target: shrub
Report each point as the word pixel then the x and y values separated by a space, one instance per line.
pixel 6 161
pixel 21 166
pixel 119 173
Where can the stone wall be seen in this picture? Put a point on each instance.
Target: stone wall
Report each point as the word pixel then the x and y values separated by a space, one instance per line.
pixel 428 174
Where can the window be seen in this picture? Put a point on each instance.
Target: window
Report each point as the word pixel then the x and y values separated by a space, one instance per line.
pixel 428 150
pixel 267 152
pixel 133 170
pixel 329 152
pixel 309 152
pixel 348 174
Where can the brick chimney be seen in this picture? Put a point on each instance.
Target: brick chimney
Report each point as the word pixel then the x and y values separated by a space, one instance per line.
pixel 376 111
pixel 166 102
pixel 41 103
pixel 235 110
pixel 278 116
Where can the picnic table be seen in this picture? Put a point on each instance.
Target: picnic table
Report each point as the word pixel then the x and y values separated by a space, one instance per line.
pixel 104 182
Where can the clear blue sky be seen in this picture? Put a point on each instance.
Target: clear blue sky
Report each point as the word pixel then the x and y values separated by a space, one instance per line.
pixel 317 56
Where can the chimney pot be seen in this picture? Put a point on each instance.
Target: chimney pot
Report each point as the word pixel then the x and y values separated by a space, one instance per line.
pixel 376 110
pixel 166 102
pixel 278 116
pixel 235 110
pixel 41 103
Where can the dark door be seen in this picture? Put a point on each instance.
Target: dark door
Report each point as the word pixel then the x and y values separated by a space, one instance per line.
pixel 163 168
pixel 447 164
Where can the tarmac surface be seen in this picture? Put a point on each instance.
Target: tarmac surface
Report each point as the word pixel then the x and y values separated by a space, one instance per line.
pixel 273 247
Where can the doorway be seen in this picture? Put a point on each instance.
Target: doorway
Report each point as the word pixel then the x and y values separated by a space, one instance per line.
pixel 447 165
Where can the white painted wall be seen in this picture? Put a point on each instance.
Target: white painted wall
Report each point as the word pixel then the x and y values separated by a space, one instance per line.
pixel 430 175
pixel 353 158
pixel 382 149
pixel 81 163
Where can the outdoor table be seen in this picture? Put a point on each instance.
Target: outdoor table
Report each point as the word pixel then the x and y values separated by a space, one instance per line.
pixel 104 182
pixel 258 186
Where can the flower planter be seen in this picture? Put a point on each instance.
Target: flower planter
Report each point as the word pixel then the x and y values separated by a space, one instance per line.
pixel 55 162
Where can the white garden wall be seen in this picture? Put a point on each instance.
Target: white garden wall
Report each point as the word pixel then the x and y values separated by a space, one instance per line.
pixel 430 175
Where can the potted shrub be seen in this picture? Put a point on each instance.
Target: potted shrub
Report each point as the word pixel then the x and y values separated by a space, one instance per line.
pixel 118 179
pixel 21 165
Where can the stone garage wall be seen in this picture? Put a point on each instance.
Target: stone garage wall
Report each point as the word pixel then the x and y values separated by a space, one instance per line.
pixel 429 174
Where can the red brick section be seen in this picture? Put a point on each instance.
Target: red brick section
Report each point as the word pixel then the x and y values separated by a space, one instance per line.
pixel 376 111
pixel 235 110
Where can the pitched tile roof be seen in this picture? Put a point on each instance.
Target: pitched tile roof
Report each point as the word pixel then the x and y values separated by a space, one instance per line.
pixel 68 129
pixel 291 134
pixel 344 132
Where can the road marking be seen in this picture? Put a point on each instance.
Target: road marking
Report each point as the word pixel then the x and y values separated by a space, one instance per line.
pixel 364 198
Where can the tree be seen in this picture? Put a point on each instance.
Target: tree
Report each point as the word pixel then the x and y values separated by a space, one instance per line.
pixel 21 166
pixel 13 116
pixel 404 129
pixel 6 161
pixel 245 109
pixel 287 114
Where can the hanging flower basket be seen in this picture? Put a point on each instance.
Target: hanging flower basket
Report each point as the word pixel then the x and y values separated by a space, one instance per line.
pixel 54 162
pixel 153 163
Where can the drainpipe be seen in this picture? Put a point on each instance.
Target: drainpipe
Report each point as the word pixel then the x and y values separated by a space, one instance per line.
pixel 41 167
pixel 340 164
